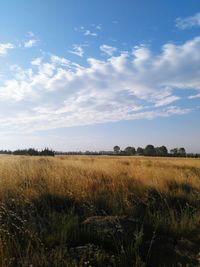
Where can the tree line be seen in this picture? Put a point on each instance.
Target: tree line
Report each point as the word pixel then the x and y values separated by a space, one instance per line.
pixel 29 152
pixel 150 150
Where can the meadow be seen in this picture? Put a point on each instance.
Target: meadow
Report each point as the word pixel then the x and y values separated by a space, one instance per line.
pixel 99 211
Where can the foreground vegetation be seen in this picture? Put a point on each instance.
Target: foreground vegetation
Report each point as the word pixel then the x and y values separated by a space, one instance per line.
pixel 99 211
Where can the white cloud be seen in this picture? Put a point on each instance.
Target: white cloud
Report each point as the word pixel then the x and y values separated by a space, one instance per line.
pixel 133 85
pixel 194 96
pixel 59 61
pixel 30 43
pixel 36 61
pixel 77 50
pixel 166 101
pixel 98 27
pixel 95 26
pixel 109 50
pixel 4 47
pixel 31 34
pixel 90 33
pixel 188 22
pixel 174 110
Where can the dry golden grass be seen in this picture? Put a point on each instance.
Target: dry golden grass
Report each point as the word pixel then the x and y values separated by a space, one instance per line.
pixel 165 192
pixel 81 176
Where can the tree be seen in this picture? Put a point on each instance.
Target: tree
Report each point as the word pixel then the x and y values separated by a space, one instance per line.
pixel 116 149
pixel 182 151
pixel 149 150
pixel 47 152
pixel 161 151
pixel 140 151
pixel 174 151
pixel 129 150
pixel 178 151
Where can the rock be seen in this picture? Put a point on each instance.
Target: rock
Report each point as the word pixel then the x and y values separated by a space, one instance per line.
pixel 187 250
pixel 171 252
pixel 86 250
pixel 159 250
pixel 156 249
pixel 91 255
pixel 111 229
pixel 110 225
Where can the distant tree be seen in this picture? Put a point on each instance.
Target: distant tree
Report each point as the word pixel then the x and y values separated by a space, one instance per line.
pixel 47 152
pixel 34 152
pixel 178 151
pixel 116 149
pixel 182 151
pixel 174 151
pixel 149 150
pixel 129 150
pixel 6 152
pixel 161 151
pixel 140 151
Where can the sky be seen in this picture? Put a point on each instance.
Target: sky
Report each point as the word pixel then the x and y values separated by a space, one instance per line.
pixel 88 75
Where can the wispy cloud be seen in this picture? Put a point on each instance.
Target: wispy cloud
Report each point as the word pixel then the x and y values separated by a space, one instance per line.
pixel 90 33
pixel 166 100
pixel 36 61
pixel 194 96
pixel 188 22
pixel 31 34
pixel 77 50
pixel 30 43
pixel 138 84
pixel 107 49
pixel 98 27
pixel 4 47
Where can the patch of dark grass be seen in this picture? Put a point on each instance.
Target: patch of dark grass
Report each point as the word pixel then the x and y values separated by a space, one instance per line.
pixel 185 187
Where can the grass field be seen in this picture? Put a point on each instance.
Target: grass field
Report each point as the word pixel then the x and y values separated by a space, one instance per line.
pixel 47 208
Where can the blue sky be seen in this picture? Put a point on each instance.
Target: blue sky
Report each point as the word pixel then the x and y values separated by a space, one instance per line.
pixel 87 75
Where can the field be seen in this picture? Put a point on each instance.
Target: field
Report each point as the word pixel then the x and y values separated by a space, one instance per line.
pixel 99 211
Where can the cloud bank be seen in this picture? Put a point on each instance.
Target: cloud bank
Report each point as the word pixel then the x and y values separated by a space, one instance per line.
pixel 131 85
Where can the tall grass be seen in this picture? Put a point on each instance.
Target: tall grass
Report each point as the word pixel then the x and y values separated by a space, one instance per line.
pixel 45 200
